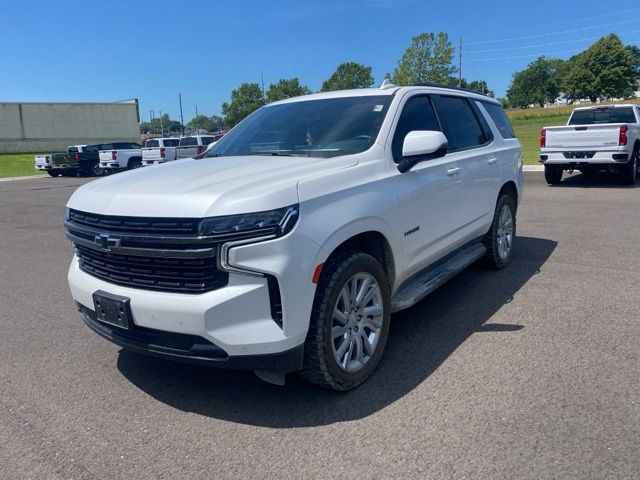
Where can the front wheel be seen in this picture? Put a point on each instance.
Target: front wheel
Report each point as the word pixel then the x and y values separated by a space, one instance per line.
pixel 349 323
pixel 499 241
pixel 552 174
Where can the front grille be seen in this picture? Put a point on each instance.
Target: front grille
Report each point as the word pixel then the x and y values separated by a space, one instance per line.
pixel 161 254
pixel 165 274
pixel 135 224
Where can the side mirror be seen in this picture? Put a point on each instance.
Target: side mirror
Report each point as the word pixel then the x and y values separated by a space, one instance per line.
pixel 421 145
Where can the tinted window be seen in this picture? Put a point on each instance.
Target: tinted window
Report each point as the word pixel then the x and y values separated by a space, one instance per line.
pixel 152 143
pixel 188 141
pixel 417 114
pixel 500 119
pixel 602 115
pixel 208 140
pixel 72 150
pixel 171 142
pixel 325 127
pixel 135 145
pixel 459 123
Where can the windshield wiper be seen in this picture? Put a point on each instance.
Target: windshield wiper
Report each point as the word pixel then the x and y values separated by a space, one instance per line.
pixel 279 154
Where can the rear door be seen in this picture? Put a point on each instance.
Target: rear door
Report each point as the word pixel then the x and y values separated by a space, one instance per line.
pixel 471 149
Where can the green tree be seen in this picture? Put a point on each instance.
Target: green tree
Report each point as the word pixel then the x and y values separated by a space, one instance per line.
pixel 635 55
pixel 606 69
pixel 477 85
pixel 286 88
pixel 200 122
pixel 428 59
pixel 244 100
pixel 348 75
pixel 538 84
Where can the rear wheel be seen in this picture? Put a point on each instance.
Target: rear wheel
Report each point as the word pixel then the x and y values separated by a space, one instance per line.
pixel 96 171
pixel 349 323
pixel 134 163
pixel 53 172
pixel 499 241
pixel 552 174
pixel 630 172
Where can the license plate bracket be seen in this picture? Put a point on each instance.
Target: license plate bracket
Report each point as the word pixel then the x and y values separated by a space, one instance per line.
pixel 112 309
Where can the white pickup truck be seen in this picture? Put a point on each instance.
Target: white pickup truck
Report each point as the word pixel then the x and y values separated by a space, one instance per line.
pixel 195 145
pixel 43 163
pixel 159 150
pixel 120 156
pixel 287 246
pixel 604 137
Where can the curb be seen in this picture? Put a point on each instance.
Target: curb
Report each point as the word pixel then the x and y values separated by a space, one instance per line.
pixel 533 168
pixel 26 177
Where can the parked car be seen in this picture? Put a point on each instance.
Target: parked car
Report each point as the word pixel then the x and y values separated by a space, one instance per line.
pixel 289 244
pixel 159 150
pixel 195 145
pixel 119 156
pixel 43 163
pixel 603 137
pixel 78 160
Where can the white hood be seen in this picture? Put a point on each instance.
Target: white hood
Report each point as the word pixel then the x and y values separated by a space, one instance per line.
pixel 204 188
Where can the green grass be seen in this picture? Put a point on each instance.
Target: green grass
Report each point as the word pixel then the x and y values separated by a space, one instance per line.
pixel 528 132
pixel 17 165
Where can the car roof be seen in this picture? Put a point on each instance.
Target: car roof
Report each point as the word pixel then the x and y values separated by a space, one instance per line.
pixel 613 105
pixel 389 89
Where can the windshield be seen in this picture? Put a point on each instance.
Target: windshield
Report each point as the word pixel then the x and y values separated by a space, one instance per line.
pixel 603 115
pixel 316 128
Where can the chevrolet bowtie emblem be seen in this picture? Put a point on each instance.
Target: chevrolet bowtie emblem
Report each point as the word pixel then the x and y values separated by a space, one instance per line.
pixel 106 242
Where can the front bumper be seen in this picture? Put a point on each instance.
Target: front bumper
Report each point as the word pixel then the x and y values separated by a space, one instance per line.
pixel 189 348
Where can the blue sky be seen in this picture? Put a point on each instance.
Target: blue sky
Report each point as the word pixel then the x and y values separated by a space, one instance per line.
pixel 110 50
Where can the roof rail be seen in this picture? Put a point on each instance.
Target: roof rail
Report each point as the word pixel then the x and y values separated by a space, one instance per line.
pixel 441 85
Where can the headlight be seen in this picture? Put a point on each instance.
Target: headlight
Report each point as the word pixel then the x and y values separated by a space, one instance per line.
pixel 273 222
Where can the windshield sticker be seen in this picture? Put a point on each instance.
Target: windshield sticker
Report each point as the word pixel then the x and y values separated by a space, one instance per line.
pixel 378 108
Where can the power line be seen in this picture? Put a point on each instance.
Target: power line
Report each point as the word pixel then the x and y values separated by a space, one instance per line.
pixel 585 39
pixel 542 35
pixel 637 42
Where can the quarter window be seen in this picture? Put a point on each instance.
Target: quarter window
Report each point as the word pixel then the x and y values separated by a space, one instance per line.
pixel 417 114
pixel 500 119
pixel 459 123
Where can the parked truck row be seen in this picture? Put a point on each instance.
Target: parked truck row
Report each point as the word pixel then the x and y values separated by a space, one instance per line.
pixel 99 159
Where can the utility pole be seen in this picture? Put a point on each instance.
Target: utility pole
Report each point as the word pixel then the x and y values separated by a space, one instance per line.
pixel 181 117
pixel 262 81
pixel 161 129
pixel 196 110
pixel 460 62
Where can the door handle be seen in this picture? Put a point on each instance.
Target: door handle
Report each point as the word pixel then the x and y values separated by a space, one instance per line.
pixel 492 161
pixel 453 171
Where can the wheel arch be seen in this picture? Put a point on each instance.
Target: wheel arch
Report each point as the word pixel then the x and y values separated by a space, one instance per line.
pixel 371 242
pixel 510 189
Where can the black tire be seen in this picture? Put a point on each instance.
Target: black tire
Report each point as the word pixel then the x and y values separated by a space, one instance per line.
pixel 495 258
pixel 553 174
pixel 53 172
pixel 320 366
pixel 630 172
pixel 95 170
pixel 134 163
pixel 66 173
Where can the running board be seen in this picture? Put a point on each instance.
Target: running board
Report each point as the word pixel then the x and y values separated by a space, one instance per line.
pixel 426 281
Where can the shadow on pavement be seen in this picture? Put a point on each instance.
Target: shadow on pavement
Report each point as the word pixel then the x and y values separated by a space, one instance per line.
pixel 421 339
pixel 594 180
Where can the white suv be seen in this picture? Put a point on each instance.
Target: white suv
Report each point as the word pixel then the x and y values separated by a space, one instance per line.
pixel 288 245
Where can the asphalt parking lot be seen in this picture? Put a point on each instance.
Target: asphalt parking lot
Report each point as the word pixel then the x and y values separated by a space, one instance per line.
pixel 531 372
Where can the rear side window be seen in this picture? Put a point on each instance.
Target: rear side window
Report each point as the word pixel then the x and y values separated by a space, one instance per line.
pixel 107 146
pixel 417 114
pixel 72 150
pixel 208 140
pixel 500 119
pixel 594 116
pixel 152 143
pixel 459 123
pixel 171 142
pixel 188 141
